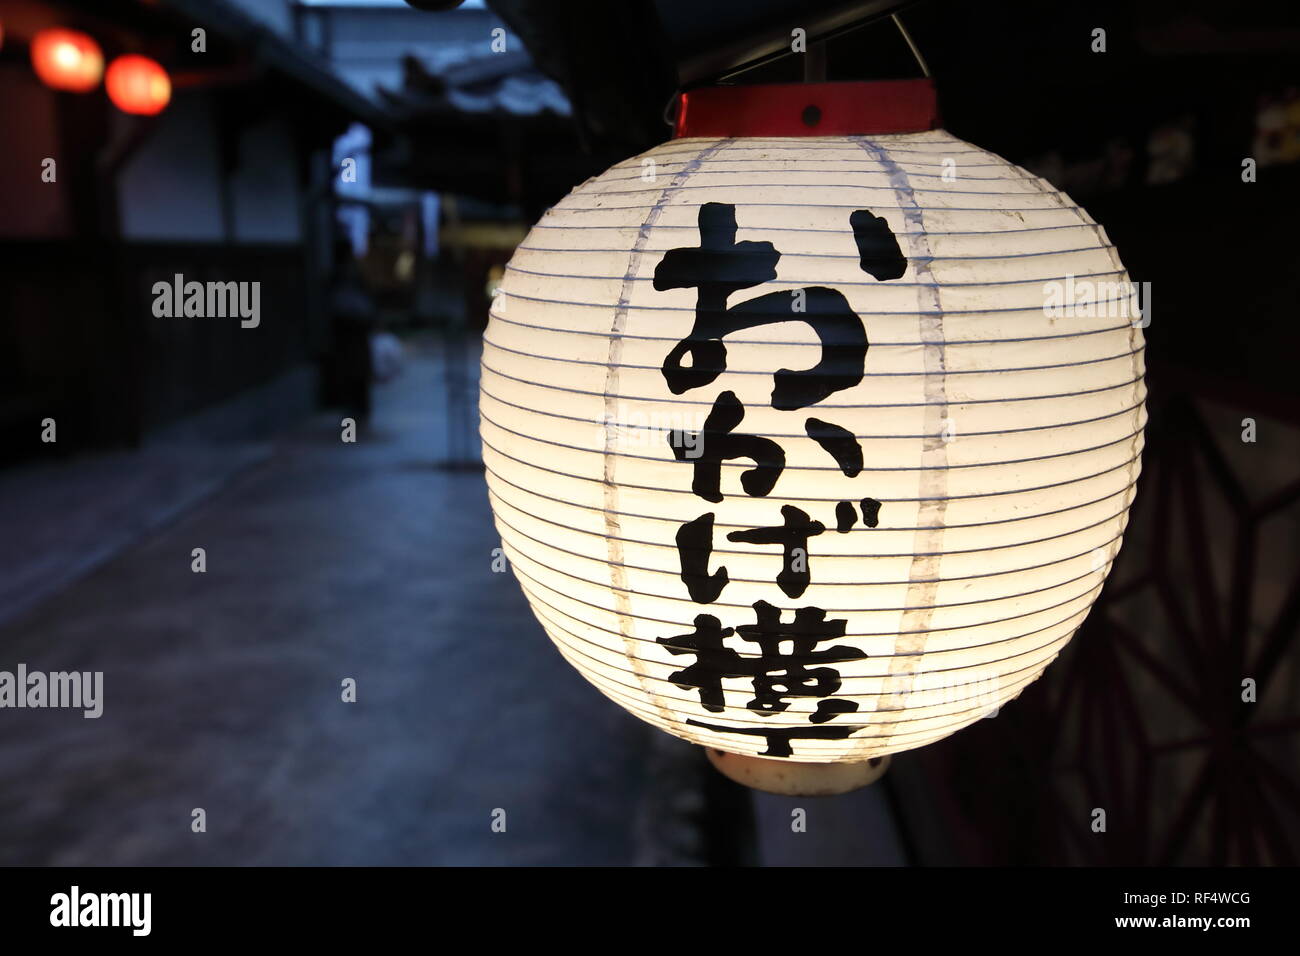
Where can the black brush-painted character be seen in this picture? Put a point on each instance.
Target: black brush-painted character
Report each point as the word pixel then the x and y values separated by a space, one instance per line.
pixel 839 443
pixel 870 512
pixel 694 548
pixel 714 661
pixel 720 266
pixel 796 679
pixel 776 676
pixel 793 537
pixel 878 252
pixel 778 738
pixel 716 443
pixel 846 516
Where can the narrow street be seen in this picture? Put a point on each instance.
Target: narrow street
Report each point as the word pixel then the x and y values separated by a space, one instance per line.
pixel 223 689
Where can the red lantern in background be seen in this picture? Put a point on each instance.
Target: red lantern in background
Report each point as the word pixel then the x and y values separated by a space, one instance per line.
pixel 137 84
pixel 67 60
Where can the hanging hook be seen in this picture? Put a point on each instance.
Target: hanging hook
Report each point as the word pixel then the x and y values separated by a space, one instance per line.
pixel 916 52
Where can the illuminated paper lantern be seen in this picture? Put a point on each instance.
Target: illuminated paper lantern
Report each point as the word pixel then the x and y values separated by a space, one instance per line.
pixel 818 446
pixel 136 84
pixel 67 60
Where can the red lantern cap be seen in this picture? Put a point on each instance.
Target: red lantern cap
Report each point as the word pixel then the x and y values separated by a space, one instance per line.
pixel 809 109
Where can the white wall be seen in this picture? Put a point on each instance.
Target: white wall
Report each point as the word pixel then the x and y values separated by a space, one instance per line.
pixel 265 186
pixel 171 188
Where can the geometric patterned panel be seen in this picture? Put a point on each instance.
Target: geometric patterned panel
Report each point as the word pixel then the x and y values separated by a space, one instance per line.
pixel 1142 715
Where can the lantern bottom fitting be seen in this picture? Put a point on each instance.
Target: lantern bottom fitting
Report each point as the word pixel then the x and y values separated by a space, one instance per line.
pixel 793 778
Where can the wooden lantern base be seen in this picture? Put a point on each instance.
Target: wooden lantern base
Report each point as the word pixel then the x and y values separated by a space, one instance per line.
pixel 794 779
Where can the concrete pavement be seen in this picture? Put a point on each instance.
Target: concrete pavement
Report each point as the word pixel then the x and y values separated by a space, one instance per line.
pixel 327 561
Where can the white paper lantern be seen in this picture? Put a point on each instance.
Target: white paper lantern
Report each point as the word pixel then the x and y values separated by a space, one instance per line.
pixel 947 503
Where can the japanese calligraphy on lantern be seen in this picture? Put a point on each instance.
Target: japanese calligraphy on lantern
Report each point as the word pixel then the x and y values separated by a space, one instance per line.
pixel 785 450
pixel 787 660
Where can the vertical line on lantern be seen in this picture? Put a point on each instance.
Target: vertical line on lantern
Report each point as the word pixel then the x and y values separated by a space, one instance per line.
pixel 1135 354
pixel 1136 358
pixel 613 527
pixel 932 480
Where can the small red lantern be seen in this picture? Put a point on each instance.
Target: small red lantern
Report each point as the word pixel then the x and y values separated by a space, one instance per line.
pixel 67 60
pixel 137 84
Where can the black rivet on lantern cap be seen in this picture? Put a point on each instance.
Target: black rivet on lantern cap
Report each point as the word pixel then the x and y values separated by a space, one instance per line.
pixel 812 115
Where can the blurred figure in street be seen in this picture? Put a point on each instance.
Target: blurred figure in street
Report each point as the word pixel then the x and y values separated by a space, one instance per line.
pixel 349 367
pixel 386 356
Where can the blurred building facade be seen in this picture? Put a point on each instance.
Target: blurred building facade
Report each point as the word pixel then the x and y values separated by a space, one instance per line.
pixel 228 183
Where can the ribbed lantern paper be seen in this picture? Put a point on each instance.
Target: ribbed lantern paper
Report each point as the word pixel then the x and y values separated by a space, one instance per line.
pixel 817 448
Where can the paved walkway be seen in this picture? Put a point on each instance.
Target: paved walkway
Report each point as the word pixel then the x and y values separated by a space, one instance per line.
pixel 222 691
